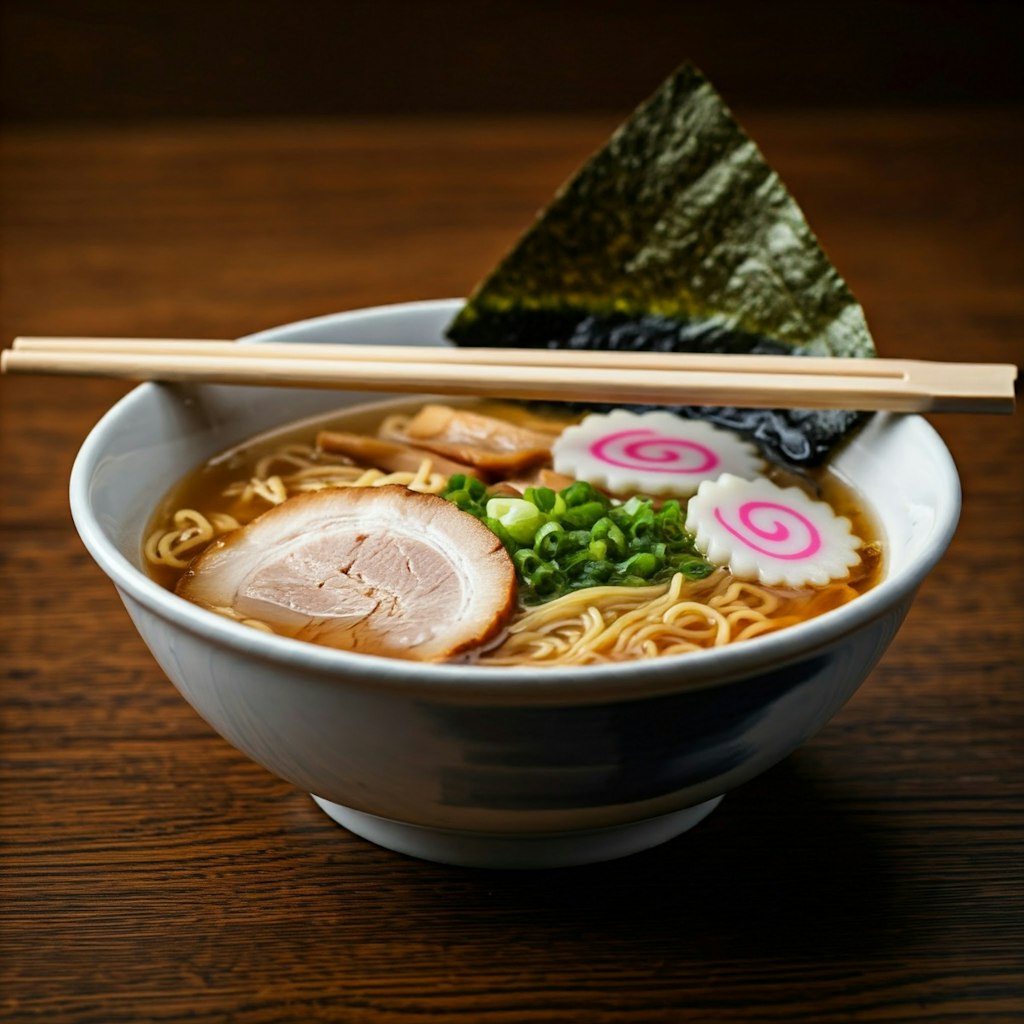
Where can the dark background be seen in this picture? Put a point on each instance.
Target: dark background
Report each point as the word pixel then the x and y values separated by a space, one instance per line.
pixel 131 59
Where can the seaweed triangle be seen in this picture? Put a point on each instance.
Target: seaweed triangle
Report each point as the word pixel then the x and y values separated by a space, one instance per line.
pixel 676 235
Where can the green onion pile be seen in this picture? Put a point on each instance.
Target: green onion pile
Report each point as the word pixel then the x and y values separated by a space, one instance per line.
pixel 578 537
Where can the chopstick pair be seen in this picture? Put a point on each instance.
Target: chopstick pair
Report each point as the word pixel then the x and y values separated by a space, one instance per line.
pixel 754 381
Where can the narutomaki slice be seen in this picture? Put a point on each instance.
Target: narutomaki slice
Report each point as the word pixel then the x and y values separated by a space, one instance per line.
pixel 379 570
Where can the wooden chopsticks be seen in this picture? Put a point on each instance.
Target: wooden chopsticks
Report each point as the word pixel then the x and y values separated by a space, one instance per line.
pixel 757 381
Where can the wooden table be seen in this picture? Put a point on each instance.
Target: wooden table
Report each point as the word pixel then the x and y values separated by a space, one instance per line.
pixel 152 873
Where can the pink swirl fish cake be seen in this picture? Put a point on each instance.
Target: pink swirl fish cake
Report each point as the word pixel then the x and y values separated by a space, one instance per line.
pixel 654 453
pixel 777 535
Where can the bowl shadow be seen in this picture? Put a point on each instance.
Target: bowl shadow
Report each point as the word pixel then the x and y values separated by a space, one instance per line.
pixel 781 868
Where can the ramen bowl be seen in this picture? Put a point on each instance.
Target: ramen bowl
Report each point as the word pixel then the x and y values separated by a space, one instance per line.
pixel 511 767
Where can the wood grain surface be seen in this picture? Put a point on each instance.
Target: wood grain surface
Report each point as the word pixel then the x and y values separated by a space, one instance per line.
pixel 151 873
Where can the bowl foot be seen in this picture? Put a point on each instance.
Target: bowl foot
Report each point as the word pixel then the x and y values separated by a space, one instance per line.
pixel 529 850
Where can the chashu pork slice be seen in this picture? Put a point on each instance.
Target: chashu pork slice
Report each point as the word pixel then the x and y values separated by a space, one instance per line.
pixel 379 570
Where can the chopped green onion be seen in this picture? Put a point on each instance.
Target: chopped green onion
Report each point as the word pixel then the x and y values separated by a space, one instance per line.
pixel 643 565
pixel 584 515
pixel 578 537
pixel 551 540
pixel 543 497
pixel 547 582
pixel 521 518
pixel 579 493
pixel 605 529
pixel 526 561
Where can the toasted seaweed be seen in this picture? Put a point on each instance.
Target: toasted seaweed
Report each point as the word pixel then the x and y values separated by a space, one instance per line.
pixel 678 236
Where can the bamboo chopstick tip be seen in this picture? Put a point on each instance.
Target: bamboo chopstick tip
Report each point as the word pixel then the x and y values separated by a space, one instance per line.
pixel 23 342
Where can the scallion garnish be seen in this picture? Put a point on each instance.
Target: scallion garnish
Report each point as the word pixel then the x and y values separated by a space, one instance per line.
pixel 578 537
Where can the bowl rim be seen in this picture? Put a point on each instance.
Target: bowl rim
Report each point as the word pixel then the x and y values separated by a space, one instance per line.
pixel 495 684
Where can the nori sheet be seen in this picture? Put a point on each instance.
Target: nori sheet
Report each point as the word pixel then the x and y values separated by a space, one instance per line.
pixel 678 236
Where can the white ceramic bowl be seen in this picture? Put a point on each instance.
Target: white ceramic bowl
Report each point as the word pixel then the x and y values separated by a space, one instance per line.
pixel 493 766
